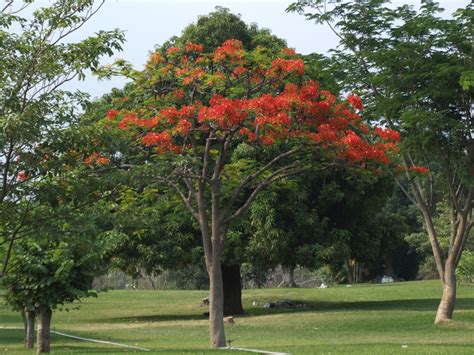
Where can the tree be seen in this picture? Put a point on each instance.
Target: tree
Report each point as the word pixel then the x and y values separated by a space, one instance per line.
pixel 36 62
pixel 58 264
pixel 409 66
pixel 207 106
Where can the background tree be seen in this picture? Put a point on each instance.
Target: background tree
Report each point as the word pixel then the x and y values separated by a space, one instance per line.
pixel 409 66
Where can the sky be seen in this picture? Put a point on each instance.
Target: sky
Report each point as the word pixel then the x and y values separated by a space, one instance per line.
pixel 148 23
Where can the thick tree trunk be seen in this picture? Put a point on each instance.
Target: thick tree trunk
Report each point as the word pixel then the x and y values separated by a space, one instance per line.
pixel 44 331
pixel 232 285
pixel 216 305
pixel 448 300
pixel 29 328
pixel 388 267
pixel 288 276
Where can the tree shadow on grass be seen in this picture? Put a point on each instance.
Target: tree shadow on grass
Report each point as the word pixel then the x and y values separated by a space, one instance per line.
pixel 430 304
pixel 155 318
pixel 300 306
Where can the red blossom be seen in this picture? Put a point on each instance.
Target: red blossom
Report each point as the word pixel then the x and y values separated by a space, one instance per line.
pixel 387 134
pixel 300 111
pixel 288 51
pixel 153 138
pixel 230 50
pixel 422 170
pixel 355 102
pixel 193 47
pixel 156 58
pixel 111 114
pixel 22 176
pixel 239 71
pixel 96 158
pixel 173 50
pixel 280 66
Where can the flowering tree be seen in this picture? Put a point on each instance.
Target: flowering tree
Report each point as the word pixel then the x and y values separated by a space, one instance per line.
pixel 207 108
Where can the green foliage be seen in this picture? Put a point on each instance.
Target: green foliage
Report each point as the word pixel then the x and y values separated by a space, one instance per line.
pixel 156 231
pixel 58 265
pixel 37 59
pixel 215 28
pixel 465 269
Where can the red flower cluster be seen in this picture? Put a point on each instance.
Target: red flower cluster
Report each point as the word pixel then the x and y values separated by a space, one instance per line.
pixel 288 52
pixel 96 158
pixel 173 50
pixel 387 134
pixel 156 58
pixel 355 102
pixel 193 47
pixel 111 114
pixel 227 84
pixel 422 170
pixel 230 50
pixel 223 112
pixel 281 66
pixel 131 119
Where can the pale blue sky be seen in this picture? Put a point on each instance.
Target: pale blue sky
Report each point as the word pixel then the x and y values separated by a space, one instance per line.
pixel 150 22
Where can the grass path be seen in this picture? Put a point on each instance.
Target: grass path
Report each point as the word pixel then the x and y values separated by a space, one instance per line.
pixel 364 319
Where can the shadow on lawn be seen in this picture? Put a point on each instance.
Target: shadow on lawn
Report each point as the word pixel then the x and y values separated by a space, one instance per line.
pixel 323 306
pixel 10 337
pixel 430 304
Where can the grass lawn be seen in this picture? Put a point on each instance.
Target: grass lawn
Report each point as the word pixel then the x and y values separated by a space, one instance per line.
pixel 364 319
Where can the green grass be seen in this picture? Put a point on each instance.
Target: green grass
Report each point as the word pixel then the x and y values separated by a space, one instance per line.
pixel 364 319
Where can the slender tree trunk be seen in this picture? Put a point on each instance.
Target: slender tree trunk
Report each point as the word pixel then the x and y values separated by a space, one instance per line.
pixel 216 305
pixel 288 276
pixel 232 284
pixel 29 327
pixel 448 300
pixel 350 276
pixel 44 331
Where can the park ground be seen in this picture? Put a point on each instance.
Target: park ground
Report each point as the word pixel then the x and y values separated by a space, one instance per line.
pixel 362 319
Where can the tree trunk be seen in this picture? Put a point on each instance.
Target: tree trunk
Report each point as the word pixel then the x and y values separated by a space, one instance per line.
pixel 448 300
pixel 216 305
pixel 288 276
pixel 232 285
pixel 29 328
pixel 388 267
pixel 44 331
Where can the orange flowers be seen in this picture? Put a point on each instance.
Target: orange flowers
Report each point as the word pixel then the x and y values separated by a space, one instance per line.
pixel 96 158
pixel 230 50
pixel 232 92
pixel 422 170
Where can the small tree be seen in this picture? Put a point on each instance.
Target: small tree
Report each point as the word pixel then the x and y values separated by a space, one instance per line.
pixel 207 106
pixel 57 266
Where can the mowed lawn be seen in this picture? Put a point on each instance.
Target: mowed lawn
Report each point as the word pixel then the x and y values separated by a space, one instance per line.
pixel 363 319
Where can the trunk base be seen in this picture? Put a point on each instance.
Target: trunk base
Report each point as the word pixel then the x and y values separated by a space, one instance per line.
pixel 44 331
pixel 448 300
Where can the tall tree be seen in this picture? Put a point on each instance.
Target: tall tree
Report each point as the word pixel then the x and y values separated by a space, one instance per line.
pixel 207 106
pixel 37 60
pixel 409 66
